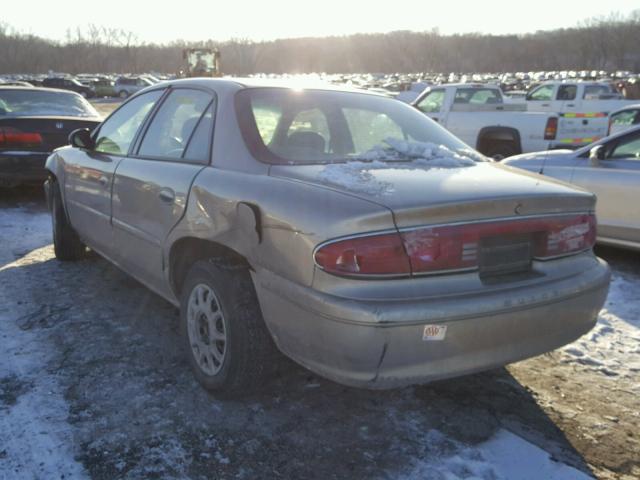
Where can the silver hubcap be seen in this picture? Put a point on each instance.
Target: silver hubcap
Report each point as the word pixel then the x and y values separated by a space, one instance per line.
pixel 207 329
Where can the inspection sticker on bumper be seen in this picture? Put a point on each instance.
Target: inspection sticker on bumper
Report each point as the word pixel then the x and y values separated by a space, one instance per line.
pixel 434 332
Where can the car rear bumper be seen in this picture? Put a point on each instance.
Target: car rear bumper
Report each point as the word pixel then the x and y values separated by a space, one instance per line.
pixel 22 168
pixel 380 344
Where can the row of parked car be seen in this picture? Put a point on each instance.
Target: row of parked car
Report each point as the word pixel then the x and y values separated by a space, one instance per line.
pixel 90 86
pixel 626 83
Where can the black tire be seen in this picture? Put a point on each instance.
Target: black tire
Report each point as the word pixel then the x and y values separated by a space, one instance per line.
pixel 250 356
pixel 66 243
pixel 500 150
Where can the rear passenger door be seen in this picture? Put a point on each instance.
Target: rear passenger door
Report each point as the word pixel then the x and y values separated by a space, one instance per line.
pixel 151 186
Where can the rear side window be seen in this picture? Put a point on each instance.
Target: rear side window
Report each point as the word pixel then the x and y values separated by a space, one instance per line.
pixel 567 92
pixel 117 132
pixel 173 124
pixel 198 148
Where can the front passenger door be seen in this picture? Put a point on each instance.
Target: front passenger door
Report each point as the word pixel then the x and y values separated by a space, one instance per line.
pixel 151 186
pixel 615 182
pixel 89 173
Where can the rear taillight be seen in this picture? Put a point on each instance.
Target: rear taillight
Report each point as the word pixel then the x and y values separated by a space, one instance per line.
pixel 14 138
pixel 370 255
pixel 456 247
pixel 551 129
pixel 567 234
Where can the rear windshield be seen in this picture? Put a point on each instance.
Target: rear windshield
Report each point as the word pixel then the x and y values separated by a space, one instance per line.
pixel 287 126
pixel 24 103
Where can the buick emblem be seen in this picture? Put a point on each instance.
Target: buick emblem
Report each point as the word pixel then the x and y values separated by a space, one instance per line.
pixel 518 208
pixel 59 125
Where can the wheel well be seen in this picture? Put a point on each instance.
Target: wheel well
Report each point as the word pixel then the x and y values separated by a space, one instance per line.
pixel 489 136
pixel 186 251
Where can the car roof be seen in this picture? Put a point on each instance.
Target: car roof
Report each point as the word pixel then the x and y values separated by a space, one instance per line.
pixel 238 83
pixel 37 89
pixel 633 106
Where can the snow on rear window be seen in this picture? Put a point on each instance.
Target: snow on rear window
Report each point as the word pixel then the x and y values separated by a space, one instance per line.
pixel 357 176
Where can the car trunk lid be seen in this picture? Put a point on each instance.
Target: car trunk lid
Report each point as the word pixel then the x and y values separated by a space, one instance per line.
pixel 432 196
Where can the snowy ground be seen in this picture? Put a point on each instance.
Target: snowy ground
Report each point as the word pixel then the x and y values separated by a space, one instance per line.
pixel 92 385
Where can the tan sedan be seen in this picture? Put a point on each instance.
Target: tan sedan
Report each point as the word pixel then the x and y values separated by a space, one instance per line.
pixel 345 229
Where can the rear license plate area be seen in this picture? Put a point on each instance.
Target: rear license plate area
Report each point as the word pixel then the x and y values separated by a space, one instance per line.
pixel 505 255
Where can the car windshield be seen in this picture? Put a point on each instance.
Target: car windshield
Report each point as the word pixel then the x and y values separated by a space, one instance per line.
pixel 24 103
pixel 288 126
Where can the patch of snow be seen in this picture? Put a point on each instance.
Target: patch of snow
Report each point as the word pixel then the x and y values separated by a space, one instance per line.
pixel 504 456
pixel 357 176
pixel 36 440
pixel 613 346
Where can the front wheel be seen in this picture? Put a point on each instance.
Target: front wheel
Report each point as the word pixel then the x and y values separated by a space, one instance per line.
pixel 226 340
pixel 66 243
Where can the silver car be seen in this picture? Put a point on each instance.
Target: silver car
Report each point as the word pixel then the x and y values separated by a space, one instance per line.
pixel 610 168
pixel 127 86
pixel 344 229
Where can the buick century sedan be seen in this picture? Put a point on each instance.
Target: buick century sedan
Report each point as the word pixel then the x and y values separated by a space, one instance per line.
pixel 341 228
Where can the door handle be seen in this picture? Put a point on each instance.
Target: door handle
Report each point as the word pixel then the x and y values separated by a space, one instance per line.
pixel 167 195
pixel 545 104
pixel 104 181
pixel 570 105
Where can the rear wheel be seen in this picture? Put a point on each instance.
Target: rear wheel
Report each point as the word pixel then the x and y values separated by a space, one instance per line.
pixel 66 243
pixel 227 343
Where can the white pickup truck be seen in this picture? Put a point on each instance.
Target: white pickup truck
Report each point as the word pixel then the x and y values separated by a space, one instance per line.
pixel 585 102
pixel 479 115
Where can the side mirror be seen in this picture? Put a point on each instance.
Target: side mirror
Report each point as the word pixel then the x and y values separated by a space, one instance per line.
pixel 596 154
pixel 81 138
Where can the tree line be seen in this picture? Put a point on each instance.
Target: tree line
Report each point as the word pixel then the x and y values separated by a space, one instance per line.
pixel 607 43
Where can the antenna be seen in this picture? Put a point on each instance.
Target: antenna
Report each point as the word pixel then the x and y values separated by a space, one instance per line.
pixel 544 160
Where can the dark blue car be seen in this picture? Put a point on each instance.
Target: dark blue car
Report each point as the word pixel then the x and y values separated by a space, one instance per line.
pixel 34 122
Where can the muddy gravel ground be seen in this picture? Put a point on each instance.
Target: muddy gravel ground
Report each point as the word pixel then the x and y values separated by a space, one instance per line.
pixel 93 383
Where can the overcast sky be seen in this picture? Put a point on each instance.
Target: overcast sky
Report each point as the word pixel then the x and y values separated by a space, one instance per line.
pixel 163 21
